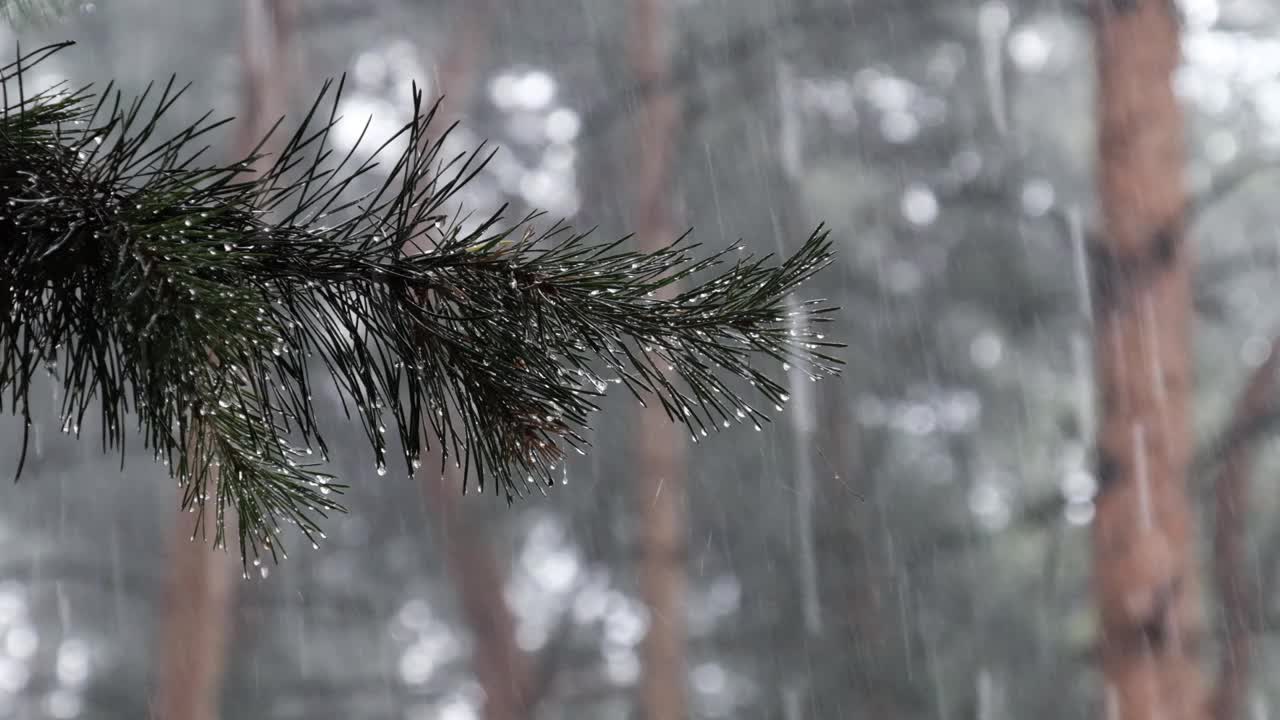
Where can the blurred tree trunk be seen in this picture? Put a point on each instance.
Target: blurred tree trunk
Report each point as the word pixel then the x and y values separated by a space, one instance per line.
pixel 1146 581
pixel 850 587
pixel 512 687
pixel 200 591
pixel 857 576
pixel 504 671
pixel 267 69
pixel 1231 499
pixel 660 448
pixel 455 75
pixel 196 627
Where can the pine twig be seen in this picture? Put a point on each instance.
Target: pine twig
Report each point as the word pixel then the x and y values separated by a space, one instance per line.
pixel 127 263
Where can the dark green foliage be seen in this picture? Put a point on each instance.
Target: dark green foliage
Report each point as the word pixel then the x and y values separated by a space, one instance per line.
pixel 197 296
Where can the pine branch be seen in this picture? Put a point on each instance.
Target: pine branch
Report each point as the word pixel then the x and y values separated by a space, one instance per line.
pixel 197 297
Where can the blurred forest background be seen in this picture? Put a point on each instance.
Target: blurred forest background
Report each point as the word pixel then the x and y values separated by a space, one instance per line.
pixel 908 541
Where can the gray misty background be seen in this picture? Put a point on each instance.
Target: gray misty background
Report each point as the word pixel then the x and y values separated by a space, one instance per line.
pixel 908 541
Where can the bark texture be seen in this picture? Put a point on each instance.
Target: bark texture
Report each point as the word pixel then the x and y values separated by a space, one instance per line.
pixel 1146 580
pixel 660 449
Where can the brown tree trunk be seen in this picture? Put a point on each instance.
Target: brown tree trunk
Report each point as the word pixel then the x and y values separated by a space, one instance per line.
pixel 196 625
pixel 660 450
pixel 504 671
pixel 512 684
pixel 266 72
pixel 1231 498
pixel 1145 575
pixel 468 52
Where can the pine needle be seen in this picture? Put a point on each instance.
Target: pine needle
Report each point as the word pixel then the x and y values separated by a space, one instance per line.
pixel 199 300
